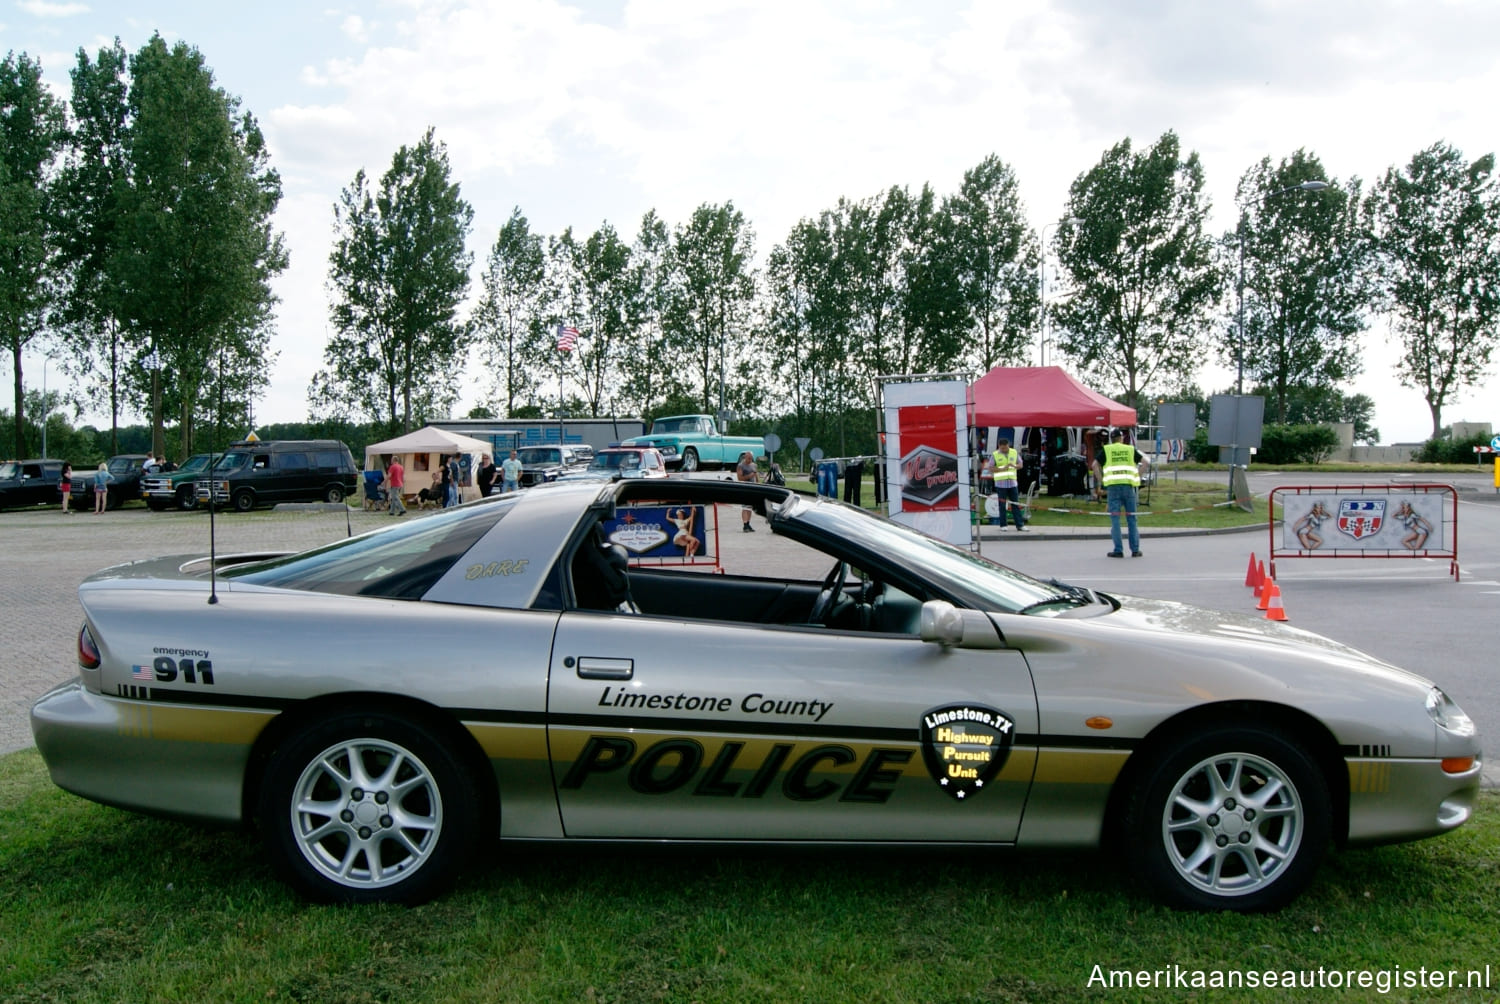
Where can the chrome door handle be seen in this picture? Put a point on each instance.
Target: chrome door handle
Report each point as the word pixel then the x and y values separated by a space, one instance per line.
pixel 596 668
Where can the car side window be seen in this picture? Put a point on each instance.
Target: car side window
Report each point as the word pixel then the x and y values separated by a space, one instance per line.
pixel 291 462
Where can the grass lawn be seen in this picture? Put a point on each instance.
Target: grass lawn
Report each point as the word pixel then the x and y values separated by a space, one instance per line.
pixel 1173 501
pixel 102 905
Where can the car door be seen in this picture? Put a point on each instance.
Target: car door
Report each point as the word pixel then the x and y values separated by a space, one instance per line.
pixel 670 728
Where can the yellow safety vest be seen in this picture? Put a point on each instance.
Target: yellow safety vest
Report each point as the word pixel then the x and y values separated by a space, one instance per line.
pixel 1005 465
pixel 1119 466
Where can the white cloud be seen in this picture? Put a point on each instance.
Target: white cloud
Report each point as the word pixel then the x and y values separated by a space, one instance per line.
pixel 43 8
pixel 583 111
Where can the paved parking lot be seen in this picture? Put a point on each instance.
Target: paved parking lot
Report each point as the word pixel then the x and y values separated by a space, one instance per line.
pixel 46 555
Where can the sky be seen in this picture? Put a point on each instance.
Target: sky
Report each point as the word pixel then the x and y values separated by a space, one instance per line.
pixel 582 113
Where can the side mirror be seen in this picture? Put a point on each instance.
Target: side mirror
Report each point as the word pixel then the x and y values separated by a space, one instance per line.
pixel 941 623
pixel 951 627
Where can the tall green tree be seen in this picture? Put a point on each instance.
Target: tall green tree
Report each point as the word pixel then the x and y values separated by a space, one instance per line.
pixel 196 251
pixel 1305 282
pixel 647 376
pixel 92 186
pixel 999 259
pixel 398 270
pixel 607 284
pixel 1142 269
pixel 32 131
pixel 708 322
pixel 510 319
pixel 1435 227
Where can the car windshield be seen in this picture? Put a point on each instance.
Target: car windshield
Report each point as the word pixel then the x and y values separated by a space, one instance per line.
pixel 232 461
pixel 534 455
pixel 194 463
pixel 611 461
pixel 124 465
pixel 400 562
pixel 966 576
pixel 9 472
pixel 675 425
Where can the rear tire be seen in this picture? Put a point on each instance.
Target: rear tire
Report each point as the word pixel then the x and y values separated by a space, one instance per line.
pixel 1232 819
pixel 368 807
pixel 335 494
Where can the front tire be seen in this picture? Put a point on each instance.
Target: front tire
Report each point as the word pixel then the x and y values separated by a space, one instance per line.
pixel 244 501
pixel 368 807
pixel 1234 819
pixel 689 460
pixel 187 499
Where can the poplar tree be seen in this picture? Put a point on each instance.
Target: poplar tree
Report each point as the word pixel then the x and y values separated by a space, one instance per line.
pixel 399 270
pixel 32 131
pixel 1435 225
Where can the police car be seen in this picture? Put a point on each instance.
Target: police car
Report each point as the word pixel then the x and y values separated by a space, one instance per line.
pixel 385 708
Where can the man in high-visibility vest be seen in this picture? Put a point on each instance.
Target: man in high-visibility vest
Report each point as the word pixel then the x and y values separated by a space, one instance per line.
pixel 1117 466
pixel 1007 472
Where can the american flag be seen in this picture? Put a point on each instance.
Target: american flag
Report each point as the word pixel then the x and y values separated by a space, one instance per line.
pixel 142 673
pixel 567 338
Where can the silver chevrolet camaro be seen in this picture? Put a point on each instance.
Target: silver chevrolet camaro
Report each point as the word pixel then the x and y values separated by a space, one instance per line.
pixel 625 662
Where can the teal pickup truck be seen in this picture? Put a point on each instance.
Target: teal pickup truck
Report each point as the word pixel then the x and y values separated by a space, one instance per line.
pixel 688 442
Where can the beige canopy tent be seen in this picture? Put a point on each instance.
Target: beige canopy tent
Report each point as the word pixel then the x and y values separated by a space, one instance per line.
pixel 420 454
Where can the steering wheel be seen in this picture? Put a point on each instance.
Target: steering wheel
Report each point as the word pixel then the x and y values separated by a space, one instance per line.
pixel 833 582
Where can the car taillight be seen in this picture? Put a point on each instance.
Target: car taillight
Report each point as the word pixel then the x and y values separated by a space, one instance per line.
pixel 88 652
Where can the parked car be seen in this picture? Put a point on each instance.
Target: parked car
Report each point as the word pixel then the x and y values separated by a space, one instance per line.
pixel 694 441
pixel 540 464
pixel 30 482
pixel 126 471
pixel 847 679
pixel 617 462
pixel 165 489
pixel 253 473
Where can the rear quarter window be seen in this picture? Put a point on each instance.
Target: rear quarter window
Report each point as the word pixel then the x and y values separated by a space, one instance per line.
pixel 401 563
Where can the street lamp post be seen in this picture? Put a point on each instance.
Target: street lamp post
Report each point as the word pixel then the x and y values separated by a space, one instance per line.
pixel 1239 233
pixel 1065 221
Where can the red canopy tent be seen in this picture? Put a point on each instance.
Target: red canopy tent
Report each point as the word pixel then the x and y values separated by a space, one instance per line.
pixel 1034 396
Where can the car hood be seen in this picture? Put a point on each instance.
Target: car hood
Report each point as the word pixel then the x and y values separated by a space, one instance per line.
pixel 1260 643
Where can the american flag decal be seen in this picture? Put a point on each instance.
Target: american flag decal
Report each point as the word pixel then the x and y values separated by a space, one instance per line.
pixel 142 673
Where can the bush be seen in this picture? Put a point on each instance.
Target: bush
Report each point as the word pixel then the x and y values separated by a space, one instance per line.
pixel 1296 444
pixel 1451 451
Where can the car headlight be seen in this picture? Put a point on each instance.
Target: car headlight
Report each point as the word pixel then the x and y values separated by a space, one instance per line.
pixel 1447 715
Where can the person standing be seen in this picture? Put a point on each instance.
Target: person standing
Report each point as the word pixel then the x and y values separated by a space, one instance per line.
pixel 746 470
pixel 1117 466
pixel 65 485
pixel 453 476
pixel 102 478
pixel 1006 473
pixel 485 476
pixel 510 473
pixel 444 480
pixel 395 479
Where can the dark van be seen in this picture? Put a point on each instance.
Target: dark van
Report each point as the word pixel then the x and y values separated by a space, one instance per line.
pixel 281 470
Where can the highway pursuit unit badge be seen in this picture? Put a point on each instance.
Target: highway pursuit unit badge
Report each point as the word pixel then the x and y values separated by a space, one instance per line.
pixel 965 745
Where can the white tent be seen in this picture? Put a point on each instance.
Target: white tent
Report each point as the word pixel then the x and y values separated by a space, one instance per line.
pixel 420 451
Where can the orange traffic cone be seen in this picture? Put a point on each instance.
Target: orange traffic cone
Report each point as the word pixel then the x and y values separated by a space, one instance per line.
pixel 1250 577
pixel 1274 610
pixel 1266 592
pixel 1260 579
